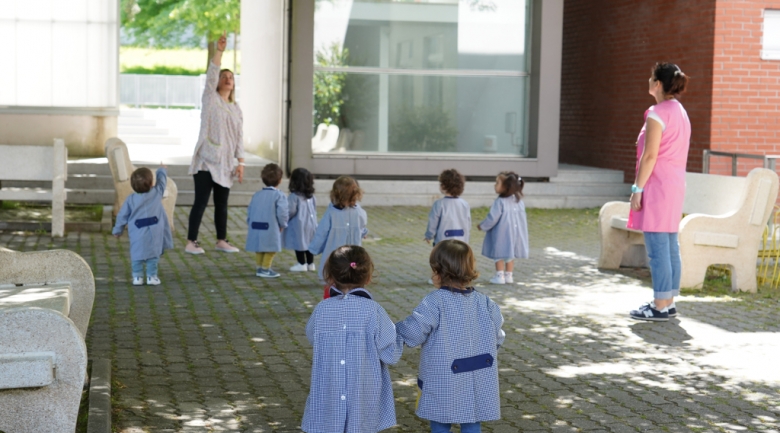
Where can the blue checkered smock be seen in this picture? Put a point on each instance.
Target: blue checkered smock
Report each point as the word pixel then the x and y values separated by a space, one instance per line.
pixel 354 340
pixel 460 332
pixel 506 230
pixel 450 218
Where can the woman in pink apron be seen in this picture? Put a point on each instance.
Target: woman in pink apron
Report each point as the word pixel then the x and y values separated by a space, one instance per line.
pixel 658 192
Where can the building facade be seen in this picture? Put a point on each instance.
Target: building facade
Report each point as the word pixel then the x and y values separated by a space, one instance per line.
pixel 728 48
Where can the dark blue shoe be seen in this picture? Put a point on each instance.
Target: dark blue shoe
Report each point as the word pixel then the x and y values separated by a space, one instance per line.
pixel 266 273
pixel 672 312
pixel 647 313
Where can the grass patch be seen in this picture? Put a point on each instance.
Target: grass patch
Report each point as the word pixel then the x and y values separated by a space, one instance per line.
pixel 717 283
pixel 191 60
pixel 12 211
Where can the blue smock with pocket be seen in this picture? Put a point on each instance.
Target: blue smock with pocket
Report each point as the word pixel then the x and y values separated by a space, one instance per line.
pixel 506 230
pixel 266 215
pixel 338 227
pixel 449 218
pixel 146 221
pixel 302 224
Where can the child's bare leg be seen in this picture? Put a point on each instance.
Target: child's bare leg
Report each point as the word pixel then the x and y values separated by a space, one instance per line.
pixel 499 266
pixel 510 266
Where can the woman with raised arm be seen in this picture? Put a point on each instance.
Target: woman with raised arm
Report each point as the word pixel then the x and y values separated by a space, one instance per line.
pixel 220 144
pixel 658 192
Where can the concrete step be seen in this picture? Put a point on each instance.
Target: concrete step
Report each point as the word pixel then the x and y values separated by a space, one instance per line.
pixel 141 130
pixel 587 175
pixel 131 113
pixel 149 139
pixel 135 121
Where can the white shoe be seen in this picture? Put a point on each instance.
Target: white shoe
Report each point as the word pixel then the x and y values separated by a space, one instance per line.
pixel 152 281
pixel 508 278
pixel 498 278
pixel 138 281
pixel 193 247
pixel 299 267
pixel 225 247
pixel 312 267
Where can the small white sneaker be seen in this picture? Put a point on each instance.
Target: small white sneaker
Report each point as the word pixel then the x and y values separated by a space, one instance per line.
pixel 152 281
pixel 498 278
pixel 193 247
pixel 299 267
pixel 508 278
pixel 312 267
pixel 138 281
pixel 225 247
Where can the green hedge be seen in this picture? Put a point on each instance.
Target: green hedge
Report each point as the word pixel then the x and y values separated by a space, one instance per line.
pixel 162 70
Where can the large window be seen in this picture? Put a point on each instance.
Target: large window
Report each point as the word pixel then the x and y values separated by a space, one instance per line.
pixel 59 53
pixel 444 76
pixel 770 40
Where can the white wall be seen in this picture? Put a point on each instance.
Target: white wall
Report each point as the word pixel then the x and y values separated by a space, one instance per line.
pixel 262 45
pixel 59 53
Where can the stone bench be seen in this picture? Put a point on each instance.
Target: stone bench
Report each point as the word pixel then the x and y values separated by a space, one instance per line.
pixel 45 304
pixel 35 164
pixel 724 222
pixel 122 169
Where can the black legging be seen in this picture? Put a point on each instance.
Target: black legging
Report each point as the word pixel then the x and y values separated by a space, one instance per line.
pixel 304 257
pixel 203 186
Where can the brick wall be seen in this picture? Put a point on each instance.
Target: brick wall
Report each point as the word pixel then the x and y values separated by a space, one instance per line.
pixel 746 89
pixel 609 47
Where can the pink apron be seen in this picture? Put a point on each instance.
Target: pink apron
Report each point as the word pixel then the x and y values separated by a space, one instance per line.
pixel 664 192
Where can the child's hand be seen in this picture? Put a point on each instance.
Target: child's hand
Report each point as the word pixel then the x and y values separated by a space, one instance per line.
pixel 479 228
pixel 427 240
pixel 281 229
pixel 163 165
pixel 118 236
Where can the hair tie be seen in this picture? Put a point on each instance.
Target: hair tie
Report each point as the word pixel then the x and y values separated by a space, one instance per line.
pixel 353 265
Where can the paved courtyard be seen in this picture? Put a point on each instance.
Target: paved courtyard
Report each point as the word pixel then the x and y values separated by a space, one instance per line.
pixel 216 349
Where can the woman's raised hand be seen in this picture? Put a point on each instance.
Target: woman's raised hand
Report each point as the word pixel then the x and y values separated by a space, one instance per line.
pixel 222 42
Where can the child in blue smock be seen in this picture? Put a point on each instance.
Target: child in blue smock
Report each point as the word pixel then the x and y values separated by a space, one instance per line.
pixel 266 218
pixel 147 224
pixel 506 227
pixel 354 341
pixel 300 229
pixel 459 330
pixel 450 217
pixel 344 222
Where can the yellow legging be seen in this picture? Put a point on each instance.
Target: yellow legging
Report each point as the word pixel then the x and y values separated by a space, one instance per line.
pixel 264 260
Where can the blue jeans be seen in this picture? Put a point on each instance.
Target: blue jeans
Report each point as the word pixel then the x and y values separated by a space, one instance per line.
pixel 665 265
pixel 151 267
pixel 471 427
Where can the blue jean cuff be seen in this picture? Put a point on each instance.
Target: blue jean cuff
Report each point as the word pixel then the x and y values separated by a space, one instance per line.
pixel 663 295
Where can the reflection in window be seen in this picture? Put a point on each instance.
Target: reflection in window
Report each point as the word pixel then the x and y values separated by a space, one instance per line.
pixel 437 76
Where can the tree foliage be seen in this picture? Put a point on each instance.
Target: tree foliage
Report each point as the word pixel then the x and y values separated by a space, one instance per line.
pixel 329 86
pixel 167 23
pixel 422 129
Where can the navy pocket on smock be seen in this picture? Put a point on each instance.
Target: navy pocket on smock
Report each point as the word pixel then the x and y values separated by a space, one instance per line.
pixel 478 362
pixel 454 233
pixel 259 226
pixel 144 222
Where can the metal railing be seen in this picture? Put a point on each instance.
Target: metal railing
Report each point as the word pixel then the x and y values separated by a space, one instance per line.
pixel 164 90
pixel 769 161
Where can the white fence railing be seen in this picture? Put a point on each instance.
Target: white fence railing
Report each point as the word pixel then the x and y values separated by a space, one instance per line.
pixel 164 90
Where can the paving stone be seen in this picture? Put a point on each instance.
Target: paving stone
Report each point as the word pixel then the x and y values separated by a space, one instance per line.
pixel 216 349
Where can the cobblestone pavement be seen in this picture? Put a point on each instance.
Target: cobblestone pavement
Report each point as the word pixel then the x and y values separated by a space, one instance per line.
pixel 217 349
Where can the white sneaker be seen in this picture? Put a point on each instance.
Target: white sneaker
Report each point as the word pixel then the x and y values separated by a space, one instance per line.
pixel 138 281
pixel 193 247
pixel 498 278
pixel 299 267
pixel 312 267
pixel 152 281
pixel 508 278
pixel 225 247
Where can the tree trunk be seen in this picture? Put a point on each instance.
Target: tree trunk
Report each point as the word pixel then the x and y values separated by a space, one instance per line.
pixel 212 47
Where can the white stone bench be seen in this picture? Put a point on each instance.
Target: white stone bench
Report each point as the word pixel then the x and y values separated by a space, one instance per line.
pixel 46 301
pixel 121 170
pixel 724 222
pixel 37 163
